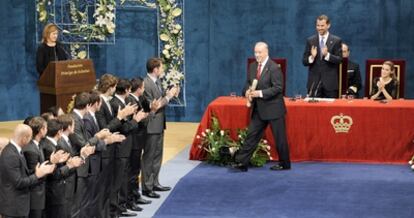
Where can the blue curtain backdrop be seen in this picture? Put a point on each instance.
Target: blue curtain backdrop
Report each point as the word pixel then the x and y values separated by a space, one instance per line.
pixel 219 37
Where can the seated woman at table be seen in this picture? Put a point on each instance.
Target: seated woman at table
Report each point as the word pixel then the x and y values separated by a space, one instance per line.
pixel 386 86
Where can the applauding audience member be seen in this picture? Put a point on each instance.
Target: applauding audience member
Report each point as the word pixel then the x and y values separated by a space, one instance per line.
pixel 386 86
pixel 15 180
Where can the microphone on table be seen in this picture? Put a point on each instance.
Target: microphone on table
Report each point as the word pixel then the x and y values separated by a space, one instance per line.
pixel 310 90
pixel 315 93
pixel 252 88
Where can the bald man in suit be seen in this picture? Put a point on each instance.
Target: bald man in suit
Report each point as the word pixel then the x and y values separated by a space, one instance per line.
pixel 268 107
pixel 15 179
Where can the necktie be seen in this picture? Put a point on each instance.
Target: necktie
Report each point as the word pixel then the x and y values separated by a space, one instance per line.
pixel 322 45
pixel 95 121
pixel 259 69
pixel 158 83
pixel 109 107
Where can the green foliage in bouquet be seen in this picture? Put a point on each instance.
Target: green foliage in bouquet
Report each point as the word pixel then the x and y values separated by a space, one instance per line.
pixel 220 147
pixel 214 141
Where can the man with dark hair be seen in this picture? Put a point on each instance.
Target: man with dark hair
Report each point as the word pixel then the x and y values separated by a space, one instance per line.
pixel 353 73
pixel 123 150
pixel 107 119
pixel 80 141
pixel 92 197
pixel 68 126
pixel 15 179
pixel 153 149
pixel 34 155
pixel 55 183
pixel 137 140
pixel 323 55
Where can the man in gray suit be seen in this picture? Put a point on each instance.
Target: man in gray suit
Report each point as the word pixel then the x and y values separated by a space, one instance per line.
pixel 153 149
pixel 323 54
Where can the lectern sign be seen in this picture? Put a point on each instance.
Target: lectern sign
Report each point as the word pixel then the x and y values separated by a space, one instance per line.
pixel 62 79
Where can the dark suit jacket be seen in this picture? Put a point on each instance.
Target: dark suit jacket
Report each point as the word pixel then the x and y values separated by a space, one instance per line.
pixel 34 155
pixel 272 105
pixel 71 177
pixel 107 120
pixel 354 75
pixel 124 148
pixel 138 134
pixel 15 183
pixel 55 182
pixel 325 72
pixel 79 139
pixel 156 122
pixel 94 159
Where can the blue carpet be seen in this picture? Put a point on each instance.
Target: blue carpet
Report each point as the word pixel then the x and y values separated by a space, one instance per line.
pixel 308 190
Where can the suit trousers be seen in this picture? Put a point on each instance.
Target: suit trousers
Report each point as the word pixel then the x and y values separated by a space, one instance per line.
pixel 87 188
pixel 105 186
pixel 135 168
pixel 118 178
pixel 36 214
pixel 55 211
pixel 151 161
pixel 255 133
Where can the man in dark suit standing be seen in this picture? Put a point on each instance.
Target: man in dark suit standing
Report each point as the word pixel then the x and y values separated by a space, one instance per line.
pixel 123 149
pixel 34 155
pixel 323 55
pixel 15 179
pixel 137 139
pixel 68 126
pixel 153 149
pixel 107 119
pixel 268 107
pixel 353 73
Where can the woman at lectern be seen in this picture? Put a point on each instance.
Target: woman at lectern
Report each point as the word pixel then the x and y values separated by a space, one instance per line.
pixel 386 86
pixel 50 49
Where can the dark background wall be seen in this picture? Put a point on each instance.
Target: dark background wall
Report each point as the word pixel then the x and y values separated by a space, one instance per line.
pixel 219 37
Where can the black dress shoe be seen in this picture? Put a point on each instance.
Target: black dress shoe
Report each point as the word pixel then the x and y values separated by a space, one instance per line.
pixel 134 207
pixel 141 200
pixel 150 194
pixel 239 166
pixel 161 188
pixel 127 214
pixel 279 167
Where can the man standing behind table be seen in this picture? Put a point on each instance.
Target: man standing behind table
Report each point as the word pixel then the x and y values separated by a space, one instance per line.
pixel 268 107
pixel 323 55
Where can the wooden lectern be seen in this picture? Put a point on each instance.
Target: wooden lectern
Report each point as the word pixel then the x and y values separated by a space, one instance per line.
pixel 62 79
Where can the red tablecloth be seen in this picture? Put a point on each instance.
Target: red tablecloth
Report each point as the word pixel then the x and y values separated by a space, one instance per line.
pixel 379 132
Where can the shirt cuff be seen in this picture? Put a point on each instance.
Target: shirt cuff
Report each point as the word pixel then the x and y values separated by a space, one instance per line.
pixel 327 57
pixel 311 59
pixel 260 93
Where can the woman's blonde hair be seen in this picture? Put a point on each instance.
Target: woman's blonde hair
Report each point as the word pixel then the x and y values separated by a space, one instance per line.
pixel 49 28
pixel 392 67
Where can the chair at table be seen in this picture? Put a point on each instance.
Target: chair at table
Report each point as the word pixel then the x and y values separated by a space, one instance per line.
pixel 373 69
pixel 282 63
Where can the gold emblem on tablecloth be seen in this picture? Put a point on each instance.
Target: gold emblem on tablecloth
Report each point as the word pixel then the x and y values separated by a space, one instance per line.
pixel 341 123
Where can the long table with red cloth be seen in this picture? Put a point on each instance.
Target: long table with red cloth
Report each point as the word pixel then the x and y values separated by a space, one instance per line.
pixel 380 132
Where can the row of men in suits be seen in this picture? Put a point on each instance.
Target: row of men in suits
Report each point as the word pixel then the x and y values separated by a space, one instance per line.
pixel 93 155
